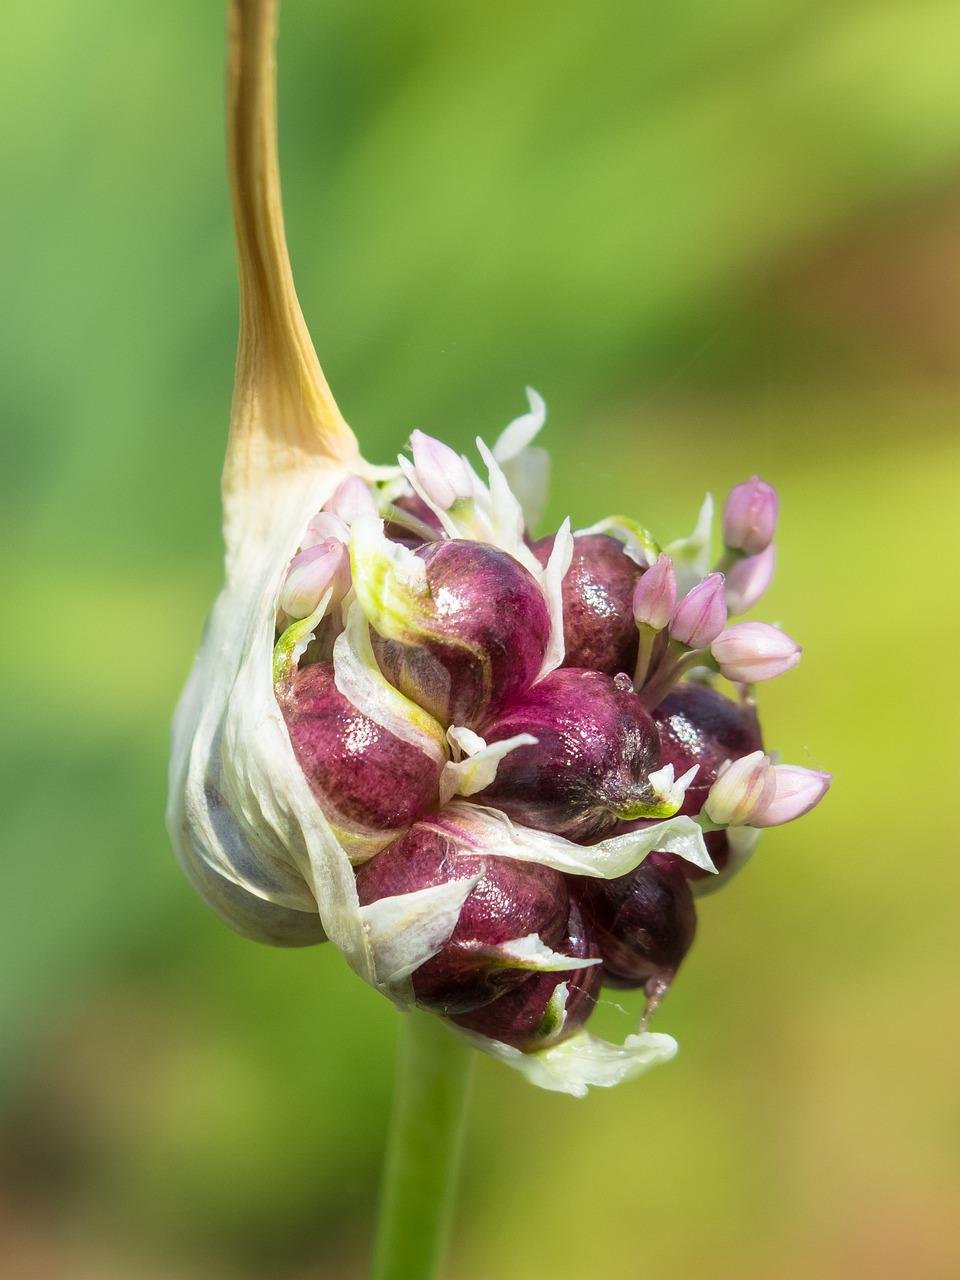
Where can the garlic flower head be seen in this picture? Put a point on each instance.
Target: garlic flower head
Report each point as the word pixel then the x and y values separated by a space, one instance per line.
pixel 475 763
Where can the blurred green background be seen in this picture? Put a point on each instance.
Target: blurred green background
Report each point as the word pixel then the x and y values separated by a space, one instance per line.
pixel 719 238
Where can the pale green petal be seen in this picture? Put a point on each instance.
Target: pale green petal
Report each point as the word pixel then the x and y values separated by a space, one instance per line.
pixel 583 1061
pixel 492 832
pixel 692 555
pixel 552 583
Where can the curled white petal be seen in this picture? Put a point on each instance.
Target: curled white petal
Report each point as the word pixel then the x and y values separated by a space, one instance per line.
pixel 492 832
pixel 671 790
pixel 407 929
pixel 477 766
pixel 531 952
pixel 506 515
pixel 552 583
pixel 520 433
pixel 360 680
pixel 584 1061
pixel 691 555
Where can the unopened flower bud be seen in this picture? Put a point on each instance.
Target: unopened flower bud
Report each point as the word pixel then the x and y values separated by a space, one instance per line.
pixel 655 595
pixel 701 614
pixel 597 590
pixel 643 924
pixel 321 568
pixel 322 527
pixel 509 901
pixel 743 788
pixel 750 516
pixel 699 726
pixel 547 1007
pixel 748 579
pixel 470 641
pixel 796 791
pixel 351 498
pixel 368 781
pixel 596 746
pixel 748 652
pixel 442 473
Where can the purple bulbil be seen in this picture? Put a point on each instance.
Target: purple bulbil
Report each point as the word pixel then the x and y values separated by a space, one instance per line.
pixel 365 778
pixel 699 726
pixel 525 1018
pixel 596 744
pixel 643 923
pixel 599 631
pixel 510 900
pixel 483 640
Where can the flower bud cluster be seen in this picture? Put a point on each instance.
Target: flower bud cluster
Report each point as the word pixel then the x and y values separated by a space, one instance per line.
pixel 505 737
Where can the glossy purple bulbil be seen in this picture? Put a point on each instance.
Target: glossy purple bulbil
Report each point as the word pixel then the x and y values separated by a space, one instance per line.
pixel 364 777
pixel 643 924
pixel 699 726
pixel 524 1018
pixel 510 900
pixel 596 744
pixel 598 627
pixel 482 641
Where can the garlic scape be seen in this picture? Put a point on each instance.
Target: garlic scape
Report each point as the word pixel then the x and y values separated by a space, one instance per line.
pixel 474 762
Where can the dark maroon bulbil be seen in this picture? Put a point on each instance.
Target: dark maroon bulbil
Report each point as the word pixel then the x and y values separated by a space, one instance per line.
pixel 362 775
pixel 510 900
pixel 523 1018
pixel 596 744
pixel 598 627
pixel 484 640
pixel 700 726
pixel 643 923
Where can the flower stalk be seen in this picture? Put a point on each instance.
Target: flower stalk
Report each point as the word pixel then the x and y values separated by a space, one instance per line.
pixel 423 1154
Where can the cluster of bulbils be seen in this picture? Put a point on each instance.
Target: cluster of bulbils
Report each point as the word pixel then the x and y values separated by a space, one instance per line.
pixel 520 720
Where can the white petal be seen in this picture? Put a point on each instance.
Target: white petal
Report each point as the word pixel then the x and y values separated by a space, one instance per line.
pixel 405 930
pixel 492 832
pixel 691 555
pixel 360 680
pixel 479 766
pixel 531 952
pixel 583 1061
pixel 518 434
pixel 553 575
pixel 506 515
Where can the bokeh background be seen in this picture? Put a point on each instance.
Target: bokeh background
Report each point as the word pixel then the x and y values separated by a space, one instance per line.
pixel 719 238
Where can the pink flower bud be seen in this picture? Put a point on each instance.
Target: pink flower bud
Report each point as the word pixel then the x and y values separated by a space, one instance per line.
pixel 655 595
pixel 351 498
pixel 312 573
pixel 321 528
pixel 743 787
pixel 700 616
pixel 796 791
pixel 750 516
pixel 748 579
pixel 750 651
pixel 444 475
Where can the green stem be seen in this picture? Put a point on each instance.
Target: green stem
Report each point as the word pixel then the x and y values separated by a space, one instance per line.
pixel 423 1155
